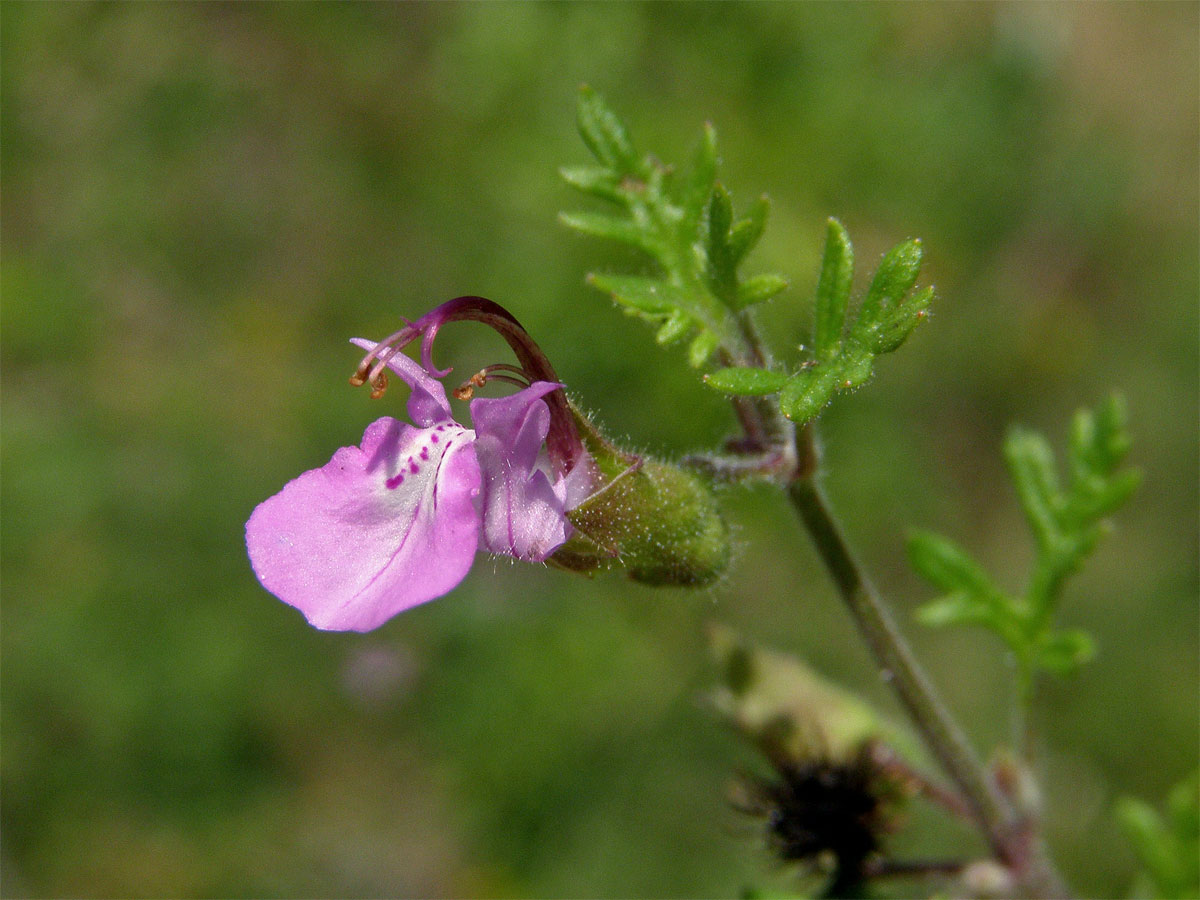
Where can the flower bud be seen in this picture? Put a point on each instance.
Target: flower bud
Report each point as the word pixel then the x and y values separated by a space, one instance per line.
pixel 659 522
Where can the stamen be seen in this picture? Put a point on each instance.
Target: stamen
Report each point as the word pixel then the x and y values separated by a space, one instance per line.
pixel 466 390
pixel 366 373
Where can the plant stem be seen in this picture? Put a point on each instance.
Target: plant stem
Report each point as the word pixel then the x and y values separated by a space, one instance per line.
pixel 1007 835
pixel 897 664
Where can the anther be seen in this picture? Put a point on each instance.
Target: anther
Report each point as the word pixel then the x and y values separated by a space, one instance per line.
pixel 466 390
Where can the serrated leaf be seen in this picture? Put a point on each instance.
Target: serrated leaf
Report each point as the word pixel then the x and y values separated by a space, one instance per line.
pixel 604 226
pixel 759 288
pixel 895 277
pixel 604 133
pixel 806 393
pixel 746 233
pixel 1063 653
pixel 648 295
pixel 593 180
pixel 677 325
pixel 1031 466
pixel 746 381
pixel 833 291
pixel 701 348
pixel 949 568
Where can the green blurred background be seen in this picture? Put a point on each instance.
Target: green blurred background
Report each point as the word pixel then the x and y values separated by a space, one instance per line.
pixel 202 202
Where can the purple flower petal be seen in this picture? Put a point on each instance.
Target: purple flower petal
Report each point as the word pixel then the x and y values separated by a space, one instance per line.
pixel 377 530
pixel 522 509
pixel 427 405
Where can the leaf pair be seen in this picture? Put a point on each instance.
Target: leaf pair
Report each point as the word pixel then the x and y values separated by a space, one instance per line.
pixel 843 352
pixel 1066 522
pixel 685 222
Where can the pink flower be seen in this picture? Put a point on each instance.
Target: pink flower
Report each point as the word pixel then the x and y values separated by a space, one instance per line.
pixel 398 520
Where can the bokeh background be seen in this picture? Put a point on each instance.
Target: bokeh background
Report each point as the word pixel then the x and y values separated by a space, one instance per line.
pixel 202 202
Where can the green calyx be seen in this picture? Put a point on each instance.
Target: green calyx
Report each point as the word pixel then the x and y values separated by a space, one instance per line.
pixel 658 522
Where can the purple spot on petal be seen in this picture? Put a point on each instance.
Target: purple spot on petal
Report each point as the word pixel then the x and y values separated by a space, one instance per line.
pixel 433 437
pixel 395 482
pixel 424 453
pixel 413 467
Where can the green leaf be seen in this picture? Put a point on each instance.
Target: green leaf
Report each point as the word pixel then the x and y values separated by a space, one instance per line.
pixel 722 267
pixel 648 295
pixel 807 392
pixel 605 226
pixel 855 369
pixel 702 347
pixel 1031 466
pixel 1099 441
pixel 759 288
pixel 1064 652
pixel 604 134
pixel 1168 848
pixel 833 291
pixel 895 277
pixel 594 180
pixel 894 331
pixel 949 568
pixel 1183 808
pixel 955 609
pixel 677 325
pixel 746 381
pixel 746 233
pixel 699 184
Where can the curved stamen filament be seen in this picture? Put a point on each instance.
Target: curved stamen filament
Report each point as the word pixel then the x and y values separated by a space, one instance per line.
pixel 382 352
pixel 466 390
